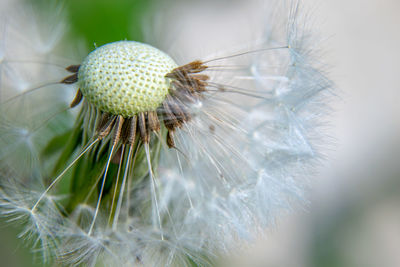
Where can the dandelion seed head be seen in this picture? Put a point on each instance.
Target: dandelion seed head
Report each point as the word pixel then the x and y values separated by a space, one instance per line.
pixel 125 78
pixel 167 164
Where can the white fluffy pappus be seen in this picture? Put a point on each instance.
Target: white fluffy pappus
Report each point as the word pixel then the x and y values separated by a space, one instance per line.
pixel 30 90
pixel 217 172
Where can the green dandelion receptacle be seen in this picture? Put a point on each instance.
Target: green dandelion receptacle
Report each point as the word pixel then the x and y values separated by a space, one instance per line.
pixel 132 86
pixel 125 78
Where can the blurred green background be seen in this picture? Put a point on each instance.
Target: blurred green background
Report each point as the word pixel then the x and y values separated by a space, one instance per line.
pixel 102 21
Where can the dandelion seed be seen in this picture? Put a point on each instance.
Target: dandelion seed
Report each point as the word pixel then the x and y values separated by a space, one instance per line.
pixel 168 164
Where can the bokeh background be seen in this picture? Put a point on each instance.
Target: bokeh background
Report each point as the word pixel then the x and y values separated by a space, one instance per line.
pixel 353 216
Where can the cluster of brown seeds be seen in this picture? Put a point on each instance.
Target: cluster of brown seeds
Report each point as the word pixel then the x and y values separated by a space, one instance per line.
pixel 187 86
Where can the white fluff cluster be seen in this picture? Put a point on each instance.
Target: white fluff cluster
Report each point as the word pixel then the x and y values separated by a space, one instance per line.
pixel 29 67
pixel 241 159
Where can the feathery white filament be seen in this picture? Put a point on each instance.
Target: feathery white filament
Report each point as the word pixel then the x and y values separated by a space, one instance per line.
pixel 122 190
pixel 156 209
pixel 116 184
pixel 101 191
pixel 55 181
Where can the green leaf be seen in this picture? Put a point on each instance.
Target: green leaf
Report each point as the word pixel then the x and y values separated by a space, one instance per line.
pixel 69 146
pixel 56 144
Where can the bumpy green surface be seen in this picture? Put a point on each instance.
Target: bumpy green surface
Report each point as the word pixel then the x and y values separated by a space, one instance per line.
pixel 125 78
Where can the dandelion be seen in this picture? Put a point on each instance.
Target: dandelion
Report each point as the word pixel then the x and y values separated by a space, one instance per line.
pixel 167 164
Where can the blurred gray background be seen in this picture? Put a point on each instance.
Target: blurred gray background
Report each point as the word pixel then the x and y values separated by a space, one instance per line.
pixel 354 214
